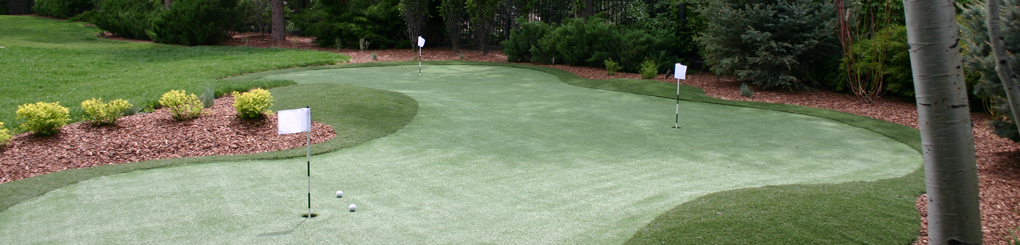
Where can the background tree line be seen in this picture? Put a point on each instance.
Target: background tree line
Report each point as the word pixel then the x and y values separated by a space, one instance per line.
pixel 855 46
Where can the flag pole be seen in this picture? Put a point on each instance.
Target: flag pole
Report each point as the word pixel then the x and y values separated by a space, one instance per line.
pixel 419 61
pixel 308 159
pixel 676 124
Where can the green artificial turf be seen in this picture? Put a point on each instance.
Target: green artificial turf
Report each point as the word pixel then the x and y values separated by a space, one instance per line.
pixel 50 60
pixel 499 154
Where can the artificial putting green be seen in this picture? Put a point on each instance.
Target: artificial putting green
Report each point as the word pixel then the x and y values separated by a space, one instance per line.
pixel 495 154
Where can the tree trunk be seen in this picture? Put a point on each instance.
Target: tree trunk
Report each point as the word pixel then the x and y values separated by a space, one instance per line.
pixel 166 4
pixel 279 25
pixel 954 216
pixel 1002 66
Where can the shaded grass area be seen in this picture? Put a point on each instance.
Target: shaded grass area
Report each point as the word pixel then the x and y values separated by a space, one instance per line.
pixel 357 114
pixel 857 212
pixel 51 60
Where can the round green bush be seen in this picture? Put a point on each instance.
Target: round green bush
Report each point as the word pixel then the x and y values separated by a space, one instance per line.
pixel 5 135
pixel 43 118
pixel 182 106
pixel 253 104
pixel 99 113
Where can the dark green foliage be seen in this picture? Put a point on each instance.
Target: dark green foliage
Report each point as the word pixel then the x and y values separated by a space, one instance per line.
pixel 63 8
pixel 344 23
pixel 978 58
pixel 584 42
pixel 194 22
pixel 188 22
pixel 483 20
pixel 256 15
pixel 518 47
pixel 452 12
pixel 746 91
pixel 126 18
pixel 894 62
pixel 770 43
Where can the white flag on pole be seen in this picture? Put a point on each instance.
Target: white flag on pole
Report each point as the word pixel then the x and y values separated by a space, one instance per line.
pixel 421 42
pixel 294 121
pixel 681 71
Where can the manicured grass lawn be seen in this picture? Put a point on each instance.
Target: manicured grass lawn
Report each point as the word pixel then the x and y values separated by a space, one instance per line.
pixel 503 153
pixel 49 60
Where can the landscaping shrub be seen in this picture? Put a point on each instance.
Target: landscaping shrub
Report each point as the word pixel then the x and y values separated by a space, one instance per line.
pixel 253 104
pixel 43 118
pixel 611 67
pixel 978 58
pixel 343 24
pixel 63 8
pixel 182 106
pixel 126 18
pixel 99 113
pixel 208 97
pixel 894 63
pixel 771 43
pixel 194 22
pixel 5 135
pixel 522 40
pixel 649 69
pixel 746 90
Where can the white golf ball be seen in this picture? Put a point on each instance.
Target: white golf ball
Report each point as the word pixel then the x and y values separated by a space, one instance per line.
pixel 353 207
pixel 339 194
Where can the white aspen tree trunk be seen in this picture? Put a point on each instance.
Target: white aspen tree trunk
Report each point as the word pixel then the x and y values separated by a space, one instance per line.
pixel 950 167
pixel 279 25
pixel 1002 66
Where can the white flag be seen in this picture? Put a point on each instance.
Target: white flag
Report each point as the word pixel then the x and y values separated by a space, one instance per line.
pixel 294 121
pixel 421 42
pixel 681 71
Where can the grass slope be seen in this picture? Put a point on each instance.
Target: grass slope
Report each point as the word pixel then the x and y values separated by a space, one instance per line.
pixel 50 60
pixel 856 212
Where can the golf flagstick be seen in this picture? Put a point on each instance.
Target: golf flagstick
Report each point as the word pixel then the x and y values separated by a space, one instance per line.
pixel 299 121
pixel 421 43
pixel 679 73
pixel 308 159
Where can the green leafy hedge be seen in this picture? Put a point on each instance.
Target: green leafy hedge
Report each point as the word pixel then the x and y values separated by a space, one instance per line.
pixel 585 42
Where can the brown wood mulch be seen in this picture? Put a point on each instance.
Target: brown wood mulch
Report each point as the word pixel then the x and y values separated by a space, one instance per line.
pixel 998 159
pixel 149 136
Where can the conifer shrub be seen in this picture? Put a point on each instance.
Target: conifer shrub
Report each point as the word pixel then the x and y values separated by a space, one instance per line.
pixel 649 69
pixel 611 67
pixel 5 135
pixel 978 58
pixel 43 118
pixel 126 18
pixel 518 47
pixel 208 97
pixel 62 8
pixel 770 43
pixel 182 106
pixel 253 104
pixel 99 113
pixel 194 22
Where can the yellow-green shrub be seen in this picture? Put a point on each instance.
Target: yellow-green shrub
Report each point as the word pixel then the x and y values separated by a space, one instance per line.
pixel 99 113
pixel 4 135
pixel 43 118
pixel 182 106
pixel 253 104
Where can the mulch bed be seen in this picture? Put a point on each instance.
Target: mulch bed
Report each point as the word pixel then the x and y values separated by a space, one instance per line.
pixel 150 136
pixel 998 159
